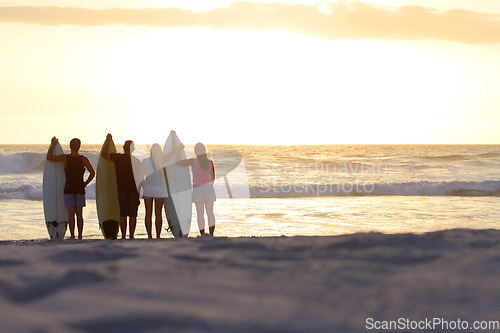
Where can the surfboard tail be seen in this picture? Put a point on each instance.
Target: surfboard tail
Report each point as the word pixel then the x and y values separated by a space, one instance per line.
pixel 110 229
pixel 57 230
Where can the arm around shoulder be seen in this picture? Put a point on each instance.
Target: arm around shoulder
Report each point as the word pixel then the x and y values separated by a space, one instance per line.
pixel 185 163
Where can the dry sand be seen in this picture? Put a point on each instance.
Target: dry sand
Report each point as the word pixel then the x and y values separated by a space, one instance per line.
pixel 281 284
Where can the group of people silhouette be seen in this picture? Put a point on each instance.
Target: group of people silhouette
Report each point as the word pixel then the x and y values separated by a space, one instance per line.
pixel 154 191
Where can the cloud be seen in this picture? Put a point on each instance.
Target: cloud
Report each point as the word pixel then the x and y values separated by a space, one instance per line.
pixel 331 21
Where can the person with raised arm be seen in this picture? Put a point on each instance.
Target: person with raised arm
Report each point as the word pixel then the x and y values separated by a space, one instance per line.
pixel 203 188
pixel 128 195
pixel 74 188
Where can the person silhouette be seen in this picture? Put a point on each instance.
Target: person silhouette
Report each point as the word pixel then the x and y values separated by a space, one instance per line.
pixel 203 188
pixel 74 188
pixel 154 186
pixel 128 195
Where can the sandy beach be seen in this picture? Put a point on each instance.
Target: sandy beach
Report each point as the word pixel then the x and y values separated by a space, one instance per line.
pixel 279 284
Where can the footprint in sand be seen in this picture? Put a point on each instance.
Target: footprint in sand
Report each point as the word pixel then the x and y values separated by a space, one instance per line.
pixel 91 255
pixel 47 286
pixel 11 262
pixel 133 322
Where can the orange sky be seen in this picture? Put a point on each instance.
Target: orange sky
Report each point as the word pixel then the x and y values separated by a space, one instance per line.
pixel 251 72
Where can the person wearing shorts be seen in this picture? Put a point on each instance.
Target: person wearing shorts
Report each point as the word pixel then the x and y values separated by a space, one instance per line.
pixel 74 188
pixel 203 188
pixel 128 195
pixel 154 187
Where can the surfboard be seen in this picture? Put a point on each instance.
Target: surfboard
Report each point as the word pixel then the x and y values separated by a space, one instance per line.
pixel 178 205
pixel 153 165
pixel 108 208
pixel 138 171
pixel 231 176
pixel 56 213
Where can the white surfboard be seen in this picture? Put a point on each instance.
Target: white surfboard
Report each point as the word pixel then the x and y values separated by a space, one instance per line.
pixel 178 206
pixel 153 165
pixel 108 208
pixel 138 171
pixel 56 213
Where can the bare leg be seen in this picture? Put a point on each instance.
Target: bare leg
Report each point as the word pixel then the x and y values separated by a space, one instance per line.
pixel 200 216
pixel 79 221
pixel 209 206
pixel 71 220
pixel 158 216
pixel 123 226
pixel 133 223
pixel 148 219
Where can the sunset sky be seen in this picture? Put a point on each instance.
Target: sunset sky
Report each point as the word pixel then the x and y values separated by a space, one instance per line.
pixel 289 72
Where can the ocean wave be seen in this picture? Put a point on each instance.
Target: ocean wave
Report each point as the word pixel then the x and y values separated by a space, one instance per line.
pixel 21 162
pixel 462 157
pixel 32 191
pixel 21 191
pixel 453 188
pixel 452 157
pixel 494 155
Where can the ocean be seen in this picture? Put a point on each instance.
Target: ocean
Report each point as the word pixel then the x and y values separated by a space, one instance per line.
pixel 298 190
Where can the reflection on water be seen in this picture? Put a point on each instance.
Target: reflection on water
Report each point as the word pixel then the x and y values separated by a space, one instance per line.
pixel 23 219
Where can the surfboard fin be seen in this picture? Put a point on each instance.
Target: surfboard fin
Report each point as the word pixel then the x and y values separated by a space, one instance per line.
pixel 169 229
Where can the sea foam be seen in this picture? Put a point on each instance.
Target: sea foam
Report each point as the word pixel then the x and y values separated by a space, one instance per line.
pixel 21 162
pixel 33 191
